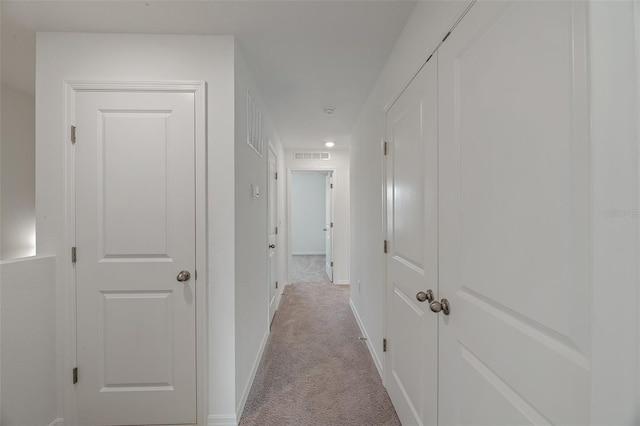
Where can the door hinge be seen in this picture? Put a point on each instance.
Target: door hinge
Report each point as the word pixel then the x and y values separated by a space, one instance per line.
pixel 73 134
pixel 384 345
pixel 331 186
pixel 75 375
pixel 276 284
pixel 385 147
pixel 195 275
pixel 276 175
pixel 74 255
pixel 332 264
pixel 332 224
pixel 276 230
pixel 385 246
pixel 447 36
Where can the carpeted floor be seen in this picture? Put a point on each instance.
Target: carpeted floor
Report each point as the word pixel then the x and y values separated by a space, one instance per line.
pixel 308 269
pixel 315 370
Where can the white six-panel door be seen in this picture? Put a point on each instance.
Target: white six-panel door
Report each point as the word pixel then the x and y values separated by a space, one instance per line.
pixel 514 217
pixel 412 259
pixel 135 233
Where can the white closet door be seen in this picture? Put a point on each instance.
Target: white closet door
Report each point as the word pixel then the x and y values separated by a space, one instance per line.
pixel 412 259
pixel 135 233
pixel 514 217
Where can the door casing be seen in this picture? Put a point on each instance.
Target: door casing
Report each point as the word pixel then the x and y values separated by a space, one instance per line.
pixel 272 196
pixel 67 301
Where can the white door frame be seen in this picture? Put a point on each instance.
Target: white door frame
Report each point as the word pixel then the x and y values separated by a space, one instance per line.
pixel 272 148
pixel 66 302
pixel 290 171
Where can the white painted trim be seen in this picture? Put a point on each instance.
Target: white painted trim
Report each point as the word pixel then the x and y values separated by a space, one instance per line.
pixel 252 376
pixel 376 360
pixel 636 10
pixel 67 302
pixel 222 420
pixel 57 422
pixel 279 296
pixel 342 282
pixel 277 250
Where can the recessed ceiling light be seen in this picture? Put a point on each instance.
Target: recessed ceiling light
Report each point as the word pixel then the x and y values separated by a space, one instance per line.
pixel 329 144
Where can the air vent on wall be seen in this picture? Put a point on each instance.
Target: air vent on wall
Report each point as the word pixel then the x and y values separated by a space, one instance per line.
pixel 312 156
pixel 254 126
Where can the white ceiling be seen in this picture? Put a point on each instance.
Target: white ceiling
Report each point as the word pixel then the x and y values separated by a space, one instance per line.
pixel 305 55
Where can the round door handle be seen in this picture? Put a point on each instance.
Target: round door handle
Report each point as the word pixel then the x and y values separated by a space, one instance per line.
pixel 272 246
pixel 183 276
pixel 442 305
pixel 425 296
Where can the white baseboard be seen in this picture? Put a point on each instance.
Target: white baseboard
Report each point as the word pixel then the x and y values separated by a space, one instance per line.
pixel 374 355
pixel 57 422
pixel 252 376
pixel 342 282
pixel 308 254
pixel 222 420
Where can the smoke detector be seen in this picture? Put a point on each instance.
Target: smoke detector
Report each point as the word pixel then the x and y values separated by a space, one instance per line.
pixel 329 111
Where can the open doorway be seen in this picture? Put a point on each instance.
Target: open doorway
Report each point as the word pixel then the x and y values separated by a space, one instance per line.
pixel 311 226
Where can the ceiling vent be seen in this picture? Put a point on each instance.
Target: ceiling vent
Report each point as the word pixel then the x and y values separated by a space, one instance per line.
pixel 311 156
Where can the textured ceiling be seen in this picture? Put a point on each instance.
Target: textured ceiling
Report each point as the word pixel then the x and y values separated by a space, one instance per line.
pixel 305 55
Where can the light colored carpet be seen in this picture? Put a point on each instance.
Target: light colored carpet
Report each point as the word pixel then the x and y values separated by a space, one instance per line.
pixel 315 370
pixel 308 269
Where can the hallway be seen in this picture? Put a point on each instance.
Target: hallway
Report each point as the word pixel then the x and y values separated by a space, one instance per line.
pixel 315 370
pixel 308 269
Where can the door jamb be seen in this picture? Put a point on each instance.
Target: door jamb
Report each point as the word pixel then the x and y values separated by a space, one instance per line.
pixel 67 301
pixel 272 148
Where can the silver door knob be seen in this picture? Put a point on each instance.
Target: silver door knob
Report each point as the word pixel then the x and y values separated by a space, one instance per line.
pixel 442 305
pixel 425 296
pixel 183 276
pixel 272 246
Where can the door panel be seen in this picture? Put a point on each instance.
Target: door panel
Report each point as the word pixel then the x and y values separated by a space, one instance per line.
pixel 273 237
pixel 329 226
pixel 514 223
pixel 135 231
pixel 412 260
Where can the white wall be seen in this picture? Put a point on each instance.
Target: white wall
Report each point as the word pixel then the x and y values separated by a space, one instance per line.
pixel 428 24
pixel 251 287
pixel 17 175
pixel 308 212
pixel 339 162
pixel 123 57
pixel 28 351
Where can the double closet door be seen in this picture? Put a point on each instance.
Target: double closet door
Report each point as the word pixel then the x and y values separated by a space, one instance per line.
pixel 487 305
